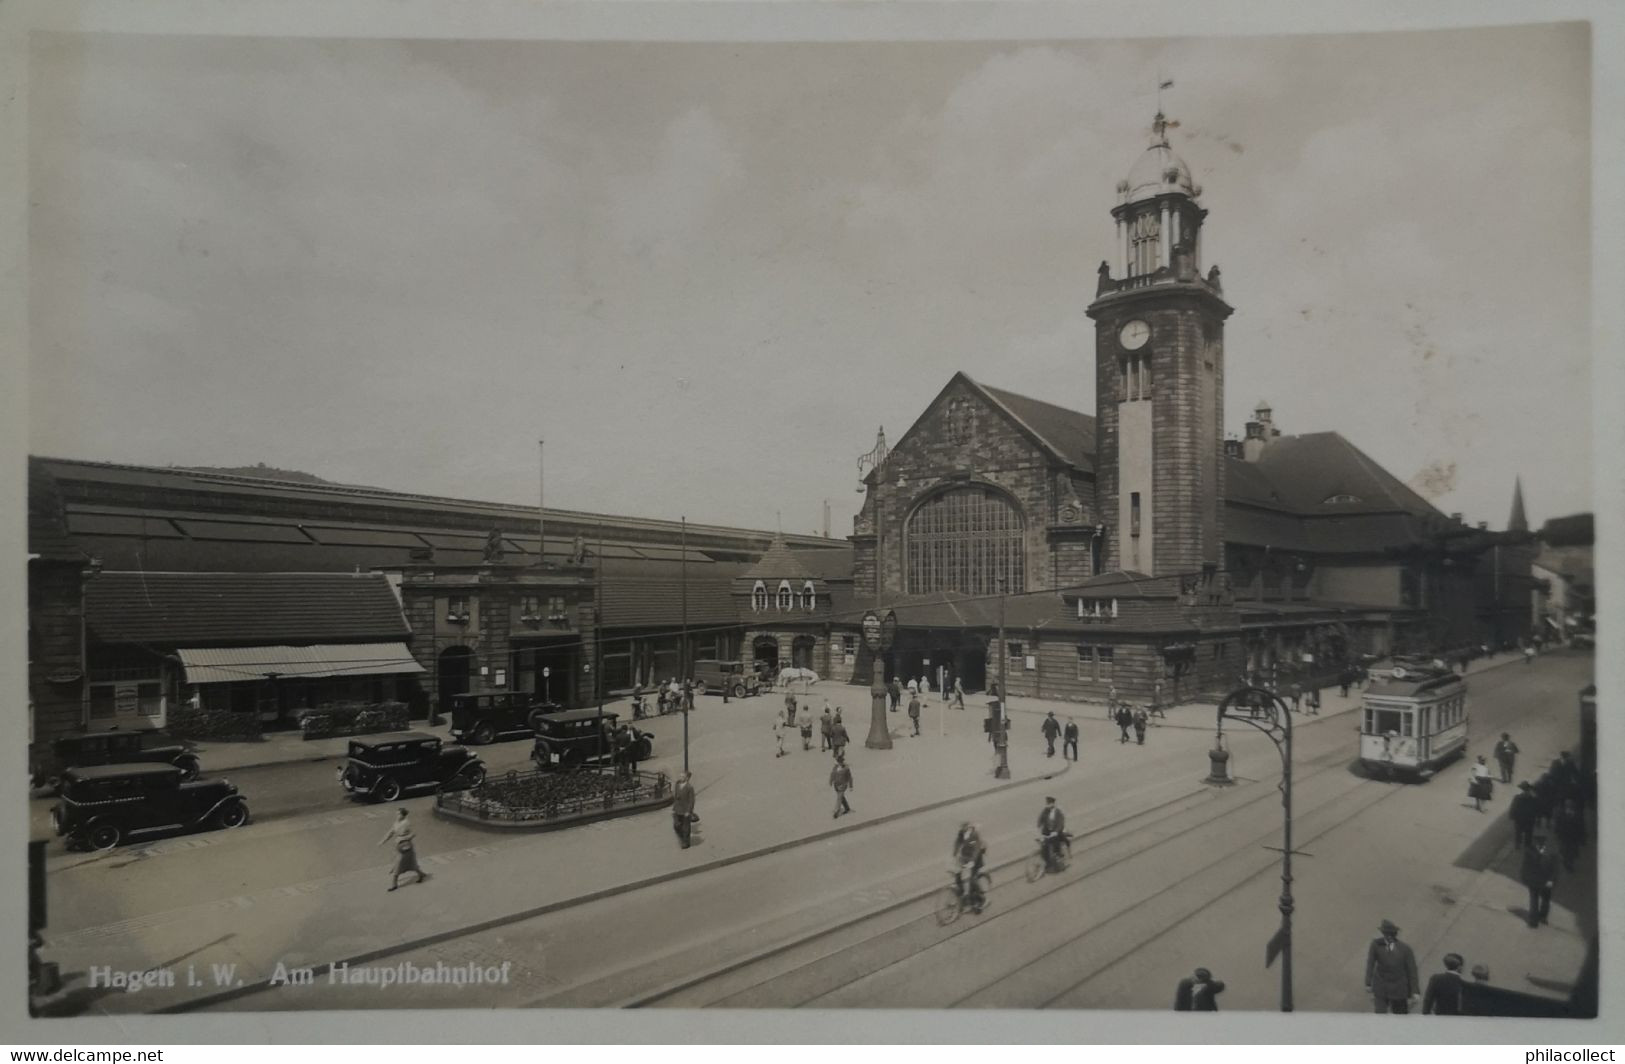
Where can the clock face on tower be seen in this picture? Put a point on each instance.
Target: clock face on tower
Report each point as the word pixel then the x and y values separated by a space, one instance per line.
pixel 1134 335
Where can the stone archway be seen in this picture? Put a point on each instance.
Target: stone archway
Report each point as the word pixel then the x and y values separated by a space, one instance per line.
pixel 765 648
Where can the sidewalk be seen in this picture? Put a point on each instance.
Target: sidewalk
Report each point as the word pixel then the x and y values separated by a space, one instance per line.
pixel 279 748
pixel 751 802
pixel 1203 715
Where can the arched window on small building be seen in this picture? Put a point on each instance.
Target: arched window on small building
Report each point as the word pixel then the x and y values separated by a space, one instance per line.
pixel 809 597
pixel 758 597
pixel 787 598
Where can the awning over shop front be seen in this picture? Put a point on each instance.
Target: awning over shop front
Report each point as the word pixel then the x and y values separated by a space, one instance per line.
pixel 231 664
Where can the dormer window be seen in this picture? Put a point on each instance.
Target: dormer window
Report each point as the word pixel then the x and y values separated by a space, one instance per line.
pixel 758 597
pixel 809 597
pixel 1342 499
pixel 787 598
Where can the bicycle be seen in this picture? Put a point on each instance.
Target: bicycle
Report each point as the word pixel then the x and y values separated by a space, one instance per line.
pixel 1037 865
pixel 956 900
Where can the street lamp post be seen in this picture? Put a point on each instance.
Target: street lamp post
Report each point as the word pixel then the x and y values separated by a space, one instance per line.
pixel 1277 725
pixel 878 631
pixel 1001 733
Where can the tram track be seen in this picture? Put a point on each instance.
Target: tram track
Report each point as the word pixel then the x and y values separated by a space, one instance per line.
pixel 1134 824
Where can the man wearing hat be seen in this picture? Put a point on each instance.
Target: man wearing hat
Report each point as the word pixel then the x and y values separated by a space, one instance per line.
pixel 1539 874
pixel 1506 755
pixel 1196 993
pixel 1390 971
pixel 1443 995
pixel 1052 832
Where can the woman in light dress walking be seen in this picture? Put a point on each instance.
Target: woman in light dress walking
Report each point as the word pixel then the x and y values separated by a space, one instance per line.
pixel 406 856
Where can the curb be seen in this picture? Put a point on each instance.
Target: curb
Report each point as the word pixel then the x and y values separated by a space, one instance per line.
pixel 598 895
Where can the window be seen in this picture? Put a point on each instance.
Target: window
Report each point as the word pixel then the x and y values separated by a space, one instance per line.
pixel 967 539
pixel 1134 513
pixel 1104 662
pixel 786 596
pixel 1221 650
pixel 101 701
pixel 1341 499
pixel 1383 721
pixel 149 699
pixel 1134 372
pixel 849 649
pixel 758 597
pixel 1086 663
pixel 530 606
pixel 555 605
pixel 808 597
pixel 457 608
pixel 1017 651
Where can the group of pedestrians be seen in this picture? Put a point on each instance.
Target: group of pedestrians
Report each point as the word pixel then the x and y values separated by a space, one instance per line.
pixel 1391 979
pixel 1136 718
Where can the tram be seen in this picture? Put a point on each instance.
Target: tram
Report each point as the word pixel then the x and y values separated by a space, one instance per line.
pixel 1414 720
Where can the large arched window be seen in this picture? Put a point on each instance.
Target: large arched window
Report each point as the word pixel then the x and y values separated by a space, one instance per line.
pixel 965 540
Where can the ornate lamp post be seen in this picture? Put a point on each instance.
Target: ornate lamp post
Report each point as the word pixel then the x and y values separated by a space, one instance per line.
pixel 1275 722
pixel 878 631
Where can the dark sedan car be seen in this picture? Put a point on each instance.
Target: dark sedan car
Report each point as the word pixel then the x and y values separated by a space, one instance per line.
pixel 485 718
pixel 115 748
pixel 384 767
pixel 580 737
pixel 104 805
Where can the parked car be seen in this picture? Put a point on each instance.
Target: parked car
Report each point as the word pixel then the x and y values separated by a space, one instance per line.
pixel 115 748
pixel 482 719
pixel 580 737
pixel 383 767
pixel 103 805
pixel 715 675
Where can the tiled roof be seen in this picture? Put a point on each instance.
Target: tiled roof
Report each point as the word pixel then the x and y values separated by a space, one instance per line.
pixel 47 531
pixel 779 563
pixel 826 564
pixel 1306 470
pixel 1069 434
pixel 656 599
pixel 243 609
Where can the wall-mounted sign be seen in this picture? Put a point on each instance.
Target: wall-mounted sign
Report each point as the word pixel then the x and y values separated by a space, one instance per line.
pixel 546 672
pixel 502 678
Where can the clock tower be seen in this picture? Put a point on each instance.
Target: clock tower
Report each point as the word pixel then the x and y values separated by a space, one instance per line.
pixel 1159 376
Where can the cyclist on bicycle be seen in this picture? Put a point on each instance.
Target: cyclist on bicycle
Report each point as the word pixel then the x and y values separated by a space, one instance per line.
pixel 1052 833
pixel 969 851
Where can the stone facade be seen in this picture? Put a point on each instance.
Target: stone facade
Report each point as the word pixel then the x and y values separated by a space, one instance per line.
pixel 56 650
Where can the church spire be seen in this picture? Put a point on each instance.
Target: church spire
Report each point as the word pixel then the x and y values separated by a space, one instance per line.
pixel 1517 522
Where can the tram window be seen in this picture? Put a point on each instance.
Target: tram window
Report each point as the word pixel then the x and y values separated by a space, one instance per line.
pixel 1389 720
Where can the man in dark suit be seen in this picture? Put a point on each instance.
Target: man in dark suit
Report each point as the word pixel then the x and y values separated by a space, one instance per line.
pixel 1539 874
pixel 1390 972
pixel 1524 812
pixel 1443 995
pixel 1196 993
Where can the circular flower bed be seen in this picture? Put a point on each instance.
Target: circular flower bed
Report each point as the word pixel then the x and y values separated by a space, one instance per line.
pixel 544 799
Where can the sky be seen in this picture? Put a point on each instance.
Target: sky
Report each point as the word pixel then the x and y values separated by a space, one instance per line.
pixel 707 273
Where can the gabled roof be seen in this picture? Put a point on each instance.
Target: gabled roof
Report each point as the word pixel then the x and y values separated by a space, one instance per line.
pixel 779 563
pixel 1067 434
pixel 222 609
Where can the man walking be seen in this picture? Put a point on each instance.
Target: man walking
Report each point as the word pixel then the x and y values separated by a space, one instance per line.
pixel 959 694
pixel 406 855
pixel 895 693
pixel 1052 731
pixel 682 809
pixel 1569 825
pixel 1297 696
pixel 840 777
pixel 804 725
pixel 914 712
pixel 1524 811
pixel 1125 720
pixel 838 737
pixel 1314 701
pixel 1539 874
pixel 790 707
pixel 826 728
pixel 1196 992
pixel 1443 995
pixel 1506 755
pixel 1071 742
pixel 1390 972
pixel 1141 721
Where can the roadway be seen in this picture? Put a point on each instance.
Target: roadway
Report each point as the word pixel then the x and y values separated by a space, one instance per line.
pixel 1168 874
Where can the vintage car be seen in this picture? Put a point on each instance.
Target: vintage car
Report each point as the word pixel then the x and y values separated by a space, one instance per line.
pixel 103 805
pixel 730 675
pixel 115 748
pixel 581 737
pixel 482 719
pixel 383 767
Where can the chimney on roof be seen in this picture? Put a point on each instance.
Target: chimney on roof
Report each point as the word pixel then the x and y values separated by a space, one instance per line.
pixel 1232 448
pixel 1456 517
pixel 1484 526
pixel 1261 431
